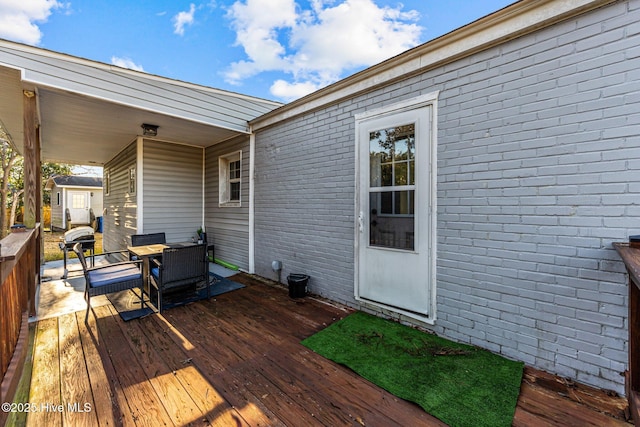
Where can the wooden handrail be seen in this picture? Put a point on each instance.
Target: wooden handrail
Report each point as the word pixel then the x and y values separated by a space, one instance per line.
pixel 14 245
pixel 631 258
pixel 19 273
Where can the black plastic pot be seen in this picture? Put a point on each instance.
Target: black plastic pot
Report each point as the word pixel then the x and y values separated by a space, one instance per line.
pixel 297 285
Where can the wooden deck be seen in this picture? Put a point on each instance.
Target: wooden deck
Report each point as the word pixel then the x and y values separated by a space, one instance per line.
pixel 235 360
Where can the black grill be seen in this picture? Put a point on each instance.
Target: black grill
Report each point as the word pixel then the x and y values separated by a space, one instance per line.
pixel 82 234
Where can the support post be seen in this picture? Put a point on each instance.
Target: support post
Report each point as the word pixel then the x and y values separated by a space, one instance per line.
pixel 31 159
pixel 32 191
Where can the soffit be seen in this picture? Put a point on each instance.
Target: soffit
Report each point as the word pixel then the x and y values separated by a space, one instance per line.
pixel 11 103
pixel 81 130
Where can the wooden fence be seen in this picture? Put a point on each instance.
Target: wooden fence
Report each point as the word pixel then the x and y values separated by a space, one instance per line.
pixel 19 268
pixel 46 216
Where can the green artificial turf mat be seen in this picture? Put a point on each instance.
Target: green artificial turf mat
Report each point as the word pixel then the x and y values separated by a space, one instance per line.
pixel 459 384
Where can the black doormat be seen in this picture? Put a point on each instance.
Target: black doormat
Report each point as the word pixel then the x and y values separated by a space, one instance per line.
pixel 127 303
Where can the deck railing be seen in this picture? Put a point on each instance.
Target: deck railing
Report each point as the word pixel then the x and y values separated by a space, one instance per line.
pixel 19 272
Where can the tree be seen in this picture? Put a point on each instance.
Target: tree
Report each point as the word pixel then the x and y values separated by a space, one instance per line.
pixel 49 170
pixel 8 159
pixel 12 182
pixel 16 188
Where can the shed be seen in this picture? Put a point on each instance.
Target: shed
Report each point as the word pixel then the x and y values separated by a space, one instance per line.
pixel 80 195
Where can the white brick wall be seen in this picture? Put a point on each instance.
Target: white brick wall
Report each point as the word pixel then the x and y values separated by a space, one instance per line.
pixel 538 173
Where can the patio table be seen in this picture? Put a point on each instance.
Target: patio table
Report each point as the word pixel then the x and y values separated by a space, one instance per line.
pixel 145 253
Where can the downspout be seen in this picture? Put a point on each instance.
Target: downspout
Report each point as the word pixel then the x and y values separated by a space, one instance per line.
pixel 252 231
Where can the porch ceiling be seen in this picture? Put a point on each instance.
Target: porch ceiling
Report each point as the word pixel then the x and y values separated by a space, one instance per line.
pixel 11 103
pixel 81 130
pixel 89 111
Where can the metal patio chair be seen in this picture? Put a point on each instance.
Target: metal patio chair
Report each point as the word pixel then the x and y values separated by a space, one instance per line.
pixel 180 267
pixel 109 278
pixel 148 239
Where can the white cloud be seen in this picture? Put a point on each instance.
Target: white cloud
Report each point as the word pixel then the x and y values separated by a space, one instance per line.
pixel 317 46
pixel 256 23
pixel 19 19
pixel 290 91
pixel 183 19
pixel 126 63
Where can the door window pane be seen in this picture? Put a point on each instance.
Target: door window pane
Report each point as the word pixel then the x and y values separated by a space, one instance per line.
pixel 392 168
pixel 78 201
pixel 401 149
pixel 403 202
pixel 391 156
pixel 387 175
pixel 401 174
pixel 391 219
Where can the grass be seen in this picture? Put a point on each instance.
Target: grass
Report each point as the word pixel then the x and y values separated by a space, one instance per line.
pixel 460 384
pixel 52 251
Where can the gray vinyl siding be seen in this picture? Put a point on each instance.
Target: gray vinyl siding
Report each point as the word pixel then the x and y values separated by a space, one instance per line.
pixel 120 218
pixel 57 218
pixel 97 201
pixel 228 227
pixel 172 190
pixel 538 173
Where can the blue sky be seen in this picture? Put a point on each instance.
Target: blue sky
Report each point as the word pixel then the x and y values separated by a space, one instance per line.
pixel 273 49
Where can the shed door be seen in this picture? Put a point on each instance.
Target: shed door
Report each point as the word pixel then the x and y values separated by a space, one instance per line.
pixel 394 211
pixel 79 207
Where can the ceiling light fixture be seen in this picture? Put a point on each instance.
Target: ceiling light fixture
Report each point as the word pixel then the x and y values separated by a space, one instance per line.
pixel 149 130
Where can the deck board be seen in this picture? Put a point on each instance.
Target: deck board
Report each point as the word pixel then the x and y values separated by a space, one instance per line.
pixel 45 379
pixel 147 408
pixel 212 405
pixel 108 396
pixel 75 387
pixel 236 360
pixel 176 400
pixel 230 354
pixel 208 354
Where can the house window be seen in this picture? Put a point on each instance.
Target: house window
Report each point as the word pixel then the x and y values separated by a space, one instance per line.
pixel 107 181
pixel 58 198
pixel 132 181
pixel 230 167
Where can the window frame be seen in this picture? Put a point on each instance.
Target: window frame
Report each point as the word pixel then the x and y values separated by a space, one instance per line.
pixel 107 182
pixel 133 183
pixel 225 163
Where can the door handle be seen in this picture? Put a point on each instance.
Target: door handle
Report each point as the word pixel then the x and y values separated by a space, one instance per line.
pixel 361 222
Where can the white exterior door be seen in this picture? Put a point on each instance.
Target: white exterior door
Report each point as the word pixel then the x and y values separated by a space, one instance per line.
pixel 396 245
pixel 79 207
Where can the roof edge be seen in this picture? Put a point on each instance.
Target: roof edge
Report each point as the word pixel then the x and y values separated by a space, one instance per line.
pixel 513 21
pixel 115 68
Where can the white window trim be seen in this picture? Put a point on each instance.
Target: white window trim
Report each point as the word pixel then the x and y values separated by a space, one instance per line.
pixel 224 191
